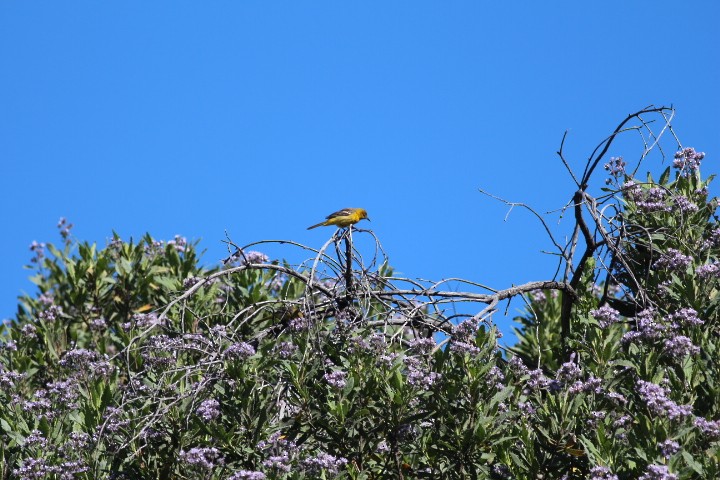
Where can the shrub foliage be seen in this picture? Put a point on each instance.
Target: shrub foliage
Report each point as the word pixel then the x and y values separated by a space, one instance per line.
pixel 133 361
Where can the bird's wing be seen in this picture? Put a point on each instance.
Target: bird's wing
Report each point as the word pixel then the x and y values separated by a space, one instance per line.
pixel 341 213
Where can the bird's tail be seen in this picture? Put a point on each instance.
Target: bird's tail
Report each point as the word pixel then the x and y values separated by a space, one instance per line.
pixel 316 225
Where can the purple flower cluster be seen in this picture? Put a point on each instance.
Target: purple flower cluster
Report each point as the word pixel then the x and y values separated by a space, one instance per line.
pixel 680 347
pixel 711 270
pixel 249 258
pixel 209 409
pixel 336 379
pixel 191 281
pixel 708 427
pixel 651 329
pixel 615 167
pixel 537 380
pixel 605 316
pixel 648 328
pixel 658 472
pixel 87 362
pixel 247 475
pixel 526 408
pixel 657 400
pixel 673 260
pixel 602 473
pixel 36 439
pixel 299 324
pixel 39 468
pixel 180 243
pixel 647 200
pixel 685 317
pixel 64 226
pixel 240 351
pixel 375 344
pixel 418 376
pixel 462 348
pixel 496 378
pixel 203 457
pixel 38 249
pixel 285 350
pixel 280 451
pixel 688 160
pixel 568 371
pixel 465 331
pixel 517 366
pixel 278 463
pixel 684 205
pixel 51 313
pixel 668 448
pixel 596 418
pixel 98 325
pixel 422 346
pixel 324 462
pixel 8 378
pixel 115 419
pixel 591 385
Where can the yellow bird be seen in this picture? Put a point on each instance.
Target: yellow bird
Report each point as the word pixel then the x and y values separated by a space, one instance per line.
pixel 344 218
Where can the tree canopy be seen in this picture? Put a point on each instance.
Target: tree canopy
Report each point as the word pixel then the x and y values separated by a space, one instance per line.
pixel 135 361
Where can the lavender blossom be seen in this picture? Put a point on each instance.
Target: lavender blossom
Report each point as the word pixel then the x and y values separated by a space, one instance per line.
pixel 8 378
pixel 336 378
pixel 422 346
pixel 538 296
pixel 537 380
pixel 711 270
pixel 708 427
pixel 605 316
pixel 657 400
pixel 602 473
pixel 324 462
pixel 203 457
pixel 685 317
pixel 279 463
pixel 285 350
pixel 596 418
pixel 418 376
pixel 496 378
pixel 462 348
pixel 679 347
pixel 591 385
pixel 615 167
pixel 247 475
pixel 38 249
pixel 248 258
pixel 657 472
pixel 648 328
pixel 209 409
pixel 688 161
pixel 684 205
pixel 465 331
pixel 569 371
pixel 180 243
pixel 648 200
pixel 240 351
pixel 668 448
pixel 673 260
pixel 50 314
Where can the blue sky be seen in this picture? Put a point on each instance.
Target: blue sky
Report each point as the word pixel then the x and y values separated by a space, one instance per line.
pixel 259 118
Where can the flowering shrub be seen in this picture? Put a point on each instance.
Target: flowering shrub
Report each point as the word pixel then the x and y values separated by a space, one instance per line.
pixel 132 361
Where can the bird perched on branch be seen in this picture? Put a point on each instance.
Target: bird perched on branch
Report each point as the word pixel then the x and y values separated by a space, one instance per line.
pixel 343 218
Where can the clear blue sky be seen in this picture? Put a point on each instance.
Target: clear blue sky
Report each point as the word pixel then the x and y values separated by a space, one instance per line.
pixel 259 118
